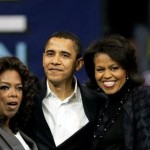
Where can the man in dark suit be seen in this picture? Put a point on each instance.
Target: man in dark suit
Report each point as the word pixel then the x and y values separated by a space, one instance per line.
pixel 65 110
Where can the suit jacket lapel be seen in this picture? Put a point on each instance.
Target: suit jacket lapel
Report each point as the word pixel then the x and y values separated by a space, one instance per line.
pixel 10 139
pixel 39 113
pixel 89 103
pixel 29 141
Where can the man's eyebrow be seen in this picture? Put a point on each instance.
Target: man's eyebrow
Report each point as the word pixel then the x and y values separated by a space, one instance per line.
pixel 49 50
pixel 66 52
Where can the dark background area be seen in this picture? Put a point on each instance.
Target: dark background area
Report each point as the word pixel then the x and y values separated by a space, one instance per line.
pixel 82 17
pixel 87 19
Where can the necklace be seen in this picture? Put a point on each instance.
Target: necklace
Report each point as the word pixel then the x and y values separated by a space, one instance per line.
pixel 110 122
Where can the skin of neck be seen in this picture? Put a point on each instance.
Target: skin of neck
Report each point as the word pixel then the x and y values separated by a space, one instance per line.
pixel 62 90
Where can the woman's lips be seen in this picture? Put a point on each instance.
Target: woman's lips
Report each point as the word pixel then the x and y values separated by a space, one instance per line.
pixel 12 105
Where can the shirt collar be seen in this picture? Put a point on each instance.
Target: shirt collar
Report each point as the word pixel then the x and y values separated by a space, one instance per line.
pixel 75 93
pixel 48 89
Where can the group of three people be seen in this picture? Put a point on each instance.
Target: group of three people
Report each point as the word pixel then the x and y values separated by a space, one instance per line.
pixel 109 112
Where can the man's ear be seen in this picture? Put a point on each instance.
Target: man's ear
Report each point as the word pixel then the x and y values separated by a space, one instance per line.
pixel 79 63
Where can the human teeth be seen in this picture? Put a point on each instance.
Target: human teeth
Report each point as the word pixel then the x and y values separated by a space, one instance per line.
pixel 109 84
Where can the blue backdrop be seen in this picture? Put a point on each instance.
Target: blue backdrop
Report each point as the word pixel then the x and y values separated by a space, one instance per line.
pixel 82 17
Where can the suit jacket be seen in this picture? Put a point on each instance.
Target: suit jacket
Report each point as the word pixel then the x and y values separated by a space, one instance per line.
pixel 82 139
pixel 137 119
pixel 9 142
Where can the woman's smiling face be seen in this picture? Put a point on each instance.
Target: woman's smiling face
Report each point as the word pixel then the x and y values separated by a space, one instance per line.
pixel 109 75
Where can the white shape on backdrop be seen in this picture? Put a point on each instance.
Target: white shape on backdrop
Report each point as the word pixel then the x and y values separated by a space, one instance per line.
pixel 13 23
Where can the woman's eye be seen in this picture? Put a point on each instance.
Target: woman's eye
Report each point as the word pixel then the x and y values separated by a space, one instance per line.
pixel 4 88
pixel 99 69
pixel 20 88
pixel 114 68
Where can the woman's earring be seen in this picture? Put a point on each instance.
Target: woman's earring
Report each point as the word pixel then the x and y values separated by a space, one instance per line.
pixel 127 78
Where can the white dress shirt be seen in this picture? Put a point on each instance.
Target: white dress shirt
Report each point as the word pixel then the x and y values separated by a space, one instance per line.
pixel 65 117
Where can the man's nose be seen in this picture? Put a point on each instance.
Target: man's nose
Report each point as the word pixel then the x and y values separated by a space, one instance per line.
pixel 56 59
